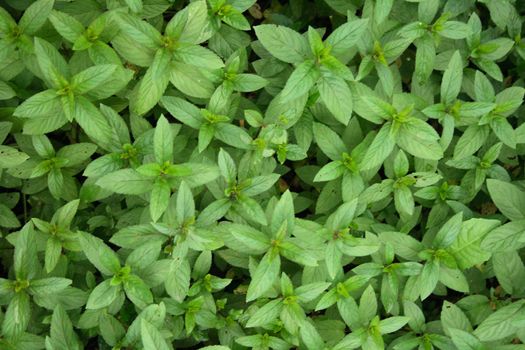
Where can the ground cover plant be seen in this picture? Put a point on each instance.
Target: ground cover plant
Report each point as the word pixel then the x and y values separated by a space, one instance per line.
pixel 241 174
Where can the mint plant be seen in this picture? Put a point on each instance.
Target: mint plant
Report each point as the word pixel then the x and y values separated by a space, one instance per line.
pixel 241 174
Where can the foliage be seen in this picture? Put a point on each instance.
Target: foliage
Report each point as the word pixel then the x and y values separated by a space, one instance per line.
pixel 232 174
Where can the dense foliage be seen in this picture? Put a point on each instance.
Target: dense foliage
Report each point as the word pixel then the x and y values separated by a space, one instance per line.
pixel 232 174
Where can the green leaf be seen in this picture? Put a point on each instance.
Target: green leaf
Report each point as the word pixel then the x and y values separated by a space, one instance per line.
pixel 452 78
pixel 189 80
pixel 330 171
pixel 328 141
pixel 67 26
pixel 283 43
pixel 472 139
pixel 52 65
pixel 153 84
pixel 163 141
pixel 429 278
pixel 42 104
pixel 10 157
pixel 8 219
pixel 49 285
pixel 248 82
pixel 134 5
pixel 266 314
pixel 92 78
pixel 337 96
pixel 392 324
pixel 264 276
pixel 509 199
pixel 449 231
pixel 419 139
pixel 467 247
pixel 17 316
pixel 103 295
pixel 254 242
pixel 499 325
pixel 137 291
pixel 126 181
pixel 62 335
pixel 509 270
pixel 346 35
pixel 151 337
pixel 178 280
pixel 99 254
pixel 425 58
pixel 505 238
pixel 454 30
pixel 159 198
pixel 380 148
pixel 35 16
pixel 92 121
pixel 302 79
pixel 464 340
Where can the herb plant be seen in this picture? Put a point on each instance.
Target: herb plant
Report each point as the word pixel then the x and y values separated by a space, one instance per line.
pixel 242 174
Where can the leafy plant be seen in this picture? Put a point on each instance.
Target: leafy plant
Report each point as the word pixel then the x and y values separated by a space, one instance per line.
pixel 233 174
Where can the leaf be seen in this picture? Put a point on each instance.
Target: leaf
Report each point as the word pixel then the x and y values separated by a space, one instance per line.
pixel 62 333
pixel 159 198
pixel 330 171
pixel 50 285
pixel 419 139
pixel 509 199
pixel 254 242
pixel 103 295
pixel 499 325
pixel 505 238
pixel 17 316
pixel 153 84
pixel 381 147
pixel 92 121
pixel 429 278
pixel 425 58
pixel 67 26
pixel 392 324
pixel 346 35
pixel 137 291
pixel 264 276
pixel 464 340
pixel 99 254
pixel 328 141
pixel 126 181
pixel 467 247
pixel 452 78
pixel 35 16
pixel 283 43
pixel 454 30
pixel 178 280
pixel 449 231
pixel 509 270
pixel 39 105
pixel 283 215
pixel 151 337
pixel 7 218
pixel 302 79
pixel 189 80
pixel 52 65
pixel 337 96
pixel 10 157
pixel 266 314
pixel 134 5
pixel 472 139
pixel 163 141
pixel 92 78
